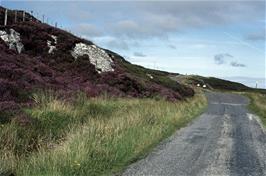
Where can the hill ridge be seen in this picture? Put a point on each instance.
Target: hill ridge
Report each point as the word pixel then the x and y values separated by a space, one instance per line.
pixel 35 56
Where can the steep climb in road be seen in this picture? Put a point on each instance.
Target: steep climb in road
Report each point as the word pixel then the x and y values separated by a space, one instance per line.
pixel 226 140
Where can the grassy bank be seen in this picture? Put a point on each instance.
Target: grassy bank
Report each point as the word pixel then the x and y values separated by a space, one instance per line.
pixel 89 136
pixel 257 105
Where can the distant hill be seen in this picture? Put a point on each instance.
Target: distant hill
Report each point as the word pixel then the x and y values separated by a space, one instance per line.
pixel 37 56
pixel 220 84
pixel 248 81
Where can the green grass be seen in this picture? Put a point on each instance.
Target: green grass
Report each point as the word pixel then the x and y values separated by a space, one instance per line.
pixel 258 105
pixel 98 136
pixel 159 77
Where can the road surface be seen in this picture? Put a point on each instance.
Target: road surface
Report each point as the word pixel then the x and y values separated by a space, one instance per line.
pixel 225 140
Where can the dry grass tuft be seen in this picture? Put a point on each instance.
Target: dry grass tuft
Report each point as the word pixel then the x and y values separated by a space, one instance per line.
pixel 257 105
pixel 96 136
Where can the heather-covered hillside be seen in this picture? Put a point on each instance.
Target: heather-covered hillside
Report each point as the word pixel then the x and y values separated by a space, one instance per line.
pixel 37 56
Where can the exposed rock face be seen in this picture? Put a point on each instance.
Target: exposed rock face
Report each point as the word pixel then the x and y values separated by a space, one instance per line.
pixel 12 40
pixel 98 57
pixel 52 46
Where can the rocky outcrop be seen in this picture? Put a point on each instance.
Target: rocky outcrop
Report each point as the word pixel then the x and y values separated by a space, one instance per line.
pixel 12 40
pixel 52 45
pixel 98 57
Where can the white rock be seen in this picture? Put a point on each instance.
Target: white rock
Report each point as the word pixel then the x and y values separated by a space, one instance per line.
pixel 100 59
pixel 50 46
pixel 12 40
pixel 4 36
pixel 55 38
pixel 150 76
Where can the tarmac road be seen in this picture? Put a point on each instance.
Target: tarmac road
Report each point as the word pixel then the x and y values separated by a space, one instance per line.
pixel 225 140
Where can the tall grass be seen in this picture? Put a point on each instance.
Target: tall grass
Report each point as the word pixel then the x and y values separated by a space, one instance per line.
pixel 96 136
pixel 258 105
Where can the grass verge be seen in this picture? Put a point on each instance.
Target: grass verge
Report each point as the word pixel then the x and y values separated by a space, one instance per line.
pixel 257 105
pixel 96 136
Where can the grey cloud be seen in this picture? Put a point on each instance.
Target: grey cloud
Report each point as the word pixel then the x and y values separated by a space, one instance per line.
pixel 205 12
pixel 139 54
pixel 117 44
pixel 172 46
pixel 81 16
pixel 140 30
pixel 159 19
pixel 256 36
pixel 127 28
pixel 87 30
pixel 220 59
pixel 236 64
pixel 150 25
pixel 143 19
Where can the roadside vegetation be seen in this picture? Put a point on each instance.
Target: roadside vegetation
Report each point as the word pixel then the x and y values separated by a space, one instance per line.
pixel 258 105
pixel 89 136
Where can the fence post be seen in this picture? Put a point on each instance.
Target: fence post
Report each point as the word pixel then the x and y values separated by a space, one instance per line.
pixel 31 13
pixel 5 22
pixel 23 16
pixel 15 16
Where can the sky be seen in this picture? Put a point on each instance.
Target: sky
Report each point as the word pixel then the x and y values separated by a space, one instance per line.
pixel 225 39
